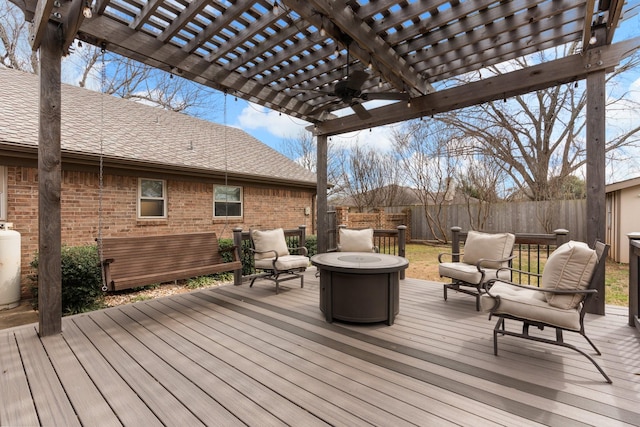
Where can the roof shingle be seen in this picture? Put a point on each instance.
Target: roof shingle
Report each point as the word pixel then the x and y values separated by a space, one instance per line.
pixel 134 131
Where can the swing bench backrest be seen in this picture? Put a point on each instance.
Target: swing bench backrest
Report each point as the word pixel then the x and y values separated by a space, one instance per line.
pixel 128 262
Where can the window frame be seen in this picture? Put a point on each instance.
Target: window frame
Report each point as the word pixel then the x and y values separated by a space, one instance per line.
pixel 240 202
pixel 141 198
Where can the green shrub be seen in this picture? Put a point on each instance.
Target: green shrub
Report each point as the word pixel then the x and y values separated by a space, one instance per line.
pixel 81 279
pixel 311 243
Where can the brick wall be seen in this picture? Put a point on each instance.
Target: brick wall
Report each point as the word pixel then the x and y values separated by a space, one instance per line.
pixel 189 209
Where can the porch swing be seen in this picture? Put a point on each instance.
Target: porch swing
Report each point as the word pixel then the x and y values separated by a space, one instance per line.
pixel 133 261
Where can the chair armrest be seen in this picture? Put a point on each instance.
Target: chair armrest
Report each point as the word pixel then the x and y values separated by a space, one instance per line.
pixel 443 254
pixel 515 270
pixel 302 249
pixel 485 260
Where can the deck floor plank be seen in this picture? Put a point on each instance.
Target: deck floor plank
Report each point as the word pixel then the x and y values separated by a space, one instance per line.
pixel 47 392
pixel 88 402
pixel 438 401
pixel 260 352
pixel 112 344
pixel 232 388
pixel 126 403
pixel 239 355
pixel 17 405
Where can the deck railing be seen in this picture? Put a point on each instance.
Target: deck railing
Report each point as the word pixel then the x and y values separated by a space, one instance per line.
pixel 531 251
pixel 634 279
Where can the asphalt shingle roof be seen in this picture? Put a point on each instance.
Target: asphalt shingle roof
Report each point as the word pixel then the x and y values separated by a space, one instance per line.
pixel 134 131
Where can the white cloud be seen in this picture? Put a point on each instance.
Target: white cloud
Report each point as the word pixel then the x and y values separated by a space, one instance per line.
pixel 257 117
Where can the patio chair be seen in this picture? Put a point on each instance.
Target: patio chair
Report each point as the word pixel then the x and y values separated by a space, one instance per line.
pixel 271 255
pixel 485 254
pixel 356 240
pixel 567 285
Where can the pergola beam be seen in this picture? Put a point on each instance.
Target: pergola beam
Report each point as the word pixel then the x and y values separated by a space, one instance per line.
pixel 559 71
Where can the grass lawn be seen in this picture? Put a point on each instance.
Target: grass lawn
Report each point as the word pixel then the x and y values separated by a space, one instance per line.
pixel 423 264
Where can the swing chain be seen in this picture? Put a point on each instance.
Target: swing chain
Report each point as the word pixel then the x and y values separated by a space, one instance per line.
pixel 101 166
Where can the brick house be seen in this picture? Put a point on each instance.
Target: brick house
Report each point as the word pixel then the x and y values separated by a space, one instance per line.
pixel 163 172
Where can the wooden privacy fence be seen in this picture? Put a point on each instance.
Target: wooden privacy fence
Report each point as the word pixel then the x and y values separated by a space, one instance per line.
pixel 531 250
pixel 523 217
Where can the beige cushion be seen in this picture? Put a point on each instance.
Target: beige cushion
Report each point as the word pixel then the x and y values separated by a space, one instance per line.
pixel 459 271
pixel 286 262
pixel 356 240
pixel 488 246
pixel 269 240
pixel 529 304
pixel 570 266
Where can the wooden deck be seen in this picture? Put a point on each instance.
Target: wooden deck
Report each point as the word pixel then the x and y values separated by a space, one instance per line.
pixel 245 356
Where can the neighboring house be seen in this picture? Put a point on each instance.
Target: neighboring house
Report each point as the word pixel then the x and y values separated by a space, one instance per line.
pixel 623 205
pixel 163 172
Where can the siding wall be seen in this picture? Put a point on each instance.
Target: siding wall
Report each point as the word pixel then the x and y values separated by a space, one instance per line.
pixel 189 208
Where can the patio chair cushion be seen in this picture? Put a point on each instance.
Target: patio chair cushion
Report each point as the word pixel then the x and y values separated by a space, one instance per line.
pixel 569 267
pixel 286 262
pixel 269 240
pixel 459 271
pixel 529 304
pixel 488 246
pixel 356 240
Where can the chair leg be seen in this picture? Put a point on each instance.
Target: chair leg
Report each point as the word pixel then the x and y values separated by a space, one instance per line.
pixel 500 328
pixel 445 291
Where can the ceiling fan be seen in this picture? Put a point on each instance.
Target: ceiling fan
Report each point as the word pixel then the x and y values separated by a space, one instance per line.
pixel 349 91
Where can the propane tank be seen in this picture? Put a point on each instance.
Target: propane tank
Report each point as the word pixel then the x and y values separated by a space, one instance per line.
pixel 9 266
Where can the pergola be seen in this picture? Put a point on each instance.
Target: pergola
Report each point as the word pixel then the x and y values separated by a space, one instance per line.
pixel 289 56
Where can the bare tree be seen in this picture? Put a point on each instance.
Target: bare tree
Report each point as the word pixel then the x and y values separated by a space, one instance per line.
pixel 303 150
pixel 15 51
pixel 479 182
pixel 429 154
pixel 539 138
pixel 371 178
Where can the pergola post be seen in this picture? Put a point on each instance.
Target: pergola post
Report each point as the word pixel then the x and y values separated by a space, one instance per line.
pixel 321 190
pixel 49 184
pixel 596 207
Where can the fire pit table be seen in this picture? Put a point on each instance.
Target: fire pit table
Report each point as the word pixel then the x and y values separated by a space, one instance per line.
pixel 360 287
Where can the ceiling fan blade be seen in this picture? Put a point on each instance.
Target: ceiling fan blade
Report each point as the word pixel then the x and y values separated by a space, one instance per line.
pixel 356 79
pixel 360 111
pixel 393 96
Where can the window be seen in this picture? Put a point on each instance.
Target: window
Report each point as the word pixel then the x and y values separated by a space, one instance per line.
pixel 3 193
pixel 227 201
pixel 152 196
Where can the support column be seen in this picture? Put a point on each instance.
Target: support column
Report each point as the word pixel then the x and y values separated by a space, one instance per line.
pixel 49 184
pixel 321 190
pixel 596 206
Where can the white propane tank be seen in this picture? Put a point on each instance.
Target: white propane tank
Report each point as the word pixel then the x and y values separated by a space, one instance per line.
pixel 9 266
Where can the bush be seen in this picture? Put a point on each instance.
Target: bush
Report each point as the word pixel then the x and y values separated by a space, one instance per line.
pixel 311 243
pixel 81 279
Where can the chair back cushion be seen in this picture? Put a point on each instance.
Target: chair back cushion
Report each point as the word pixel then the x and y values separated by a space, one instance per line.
pixel 569 267
pixel 269 240
pixel 356 240
pixel 480 245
